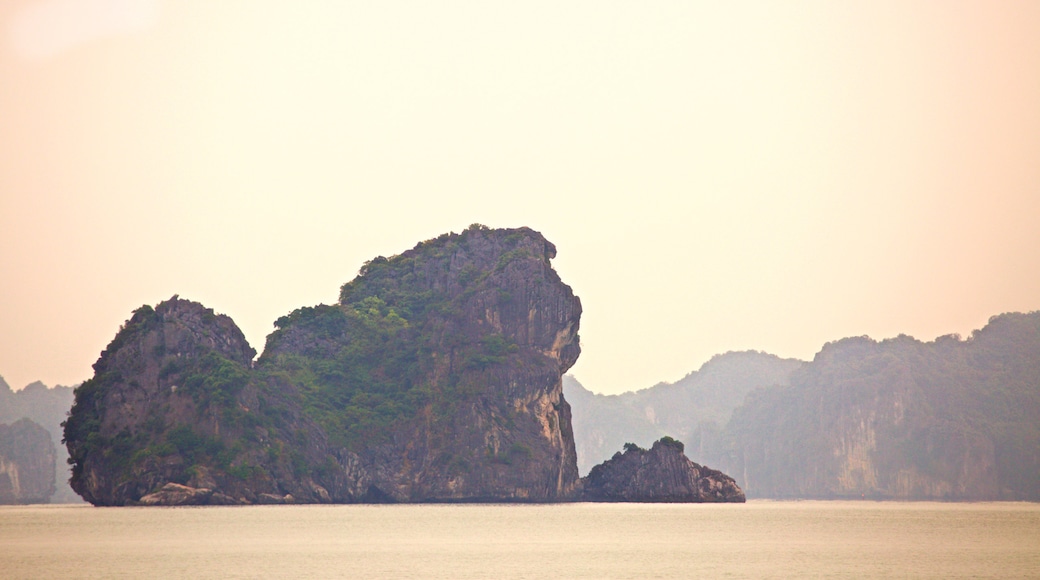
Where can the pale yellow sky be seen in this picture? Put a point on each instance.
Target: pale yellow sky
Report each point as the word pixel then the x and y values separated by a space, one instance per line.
pixel 716 175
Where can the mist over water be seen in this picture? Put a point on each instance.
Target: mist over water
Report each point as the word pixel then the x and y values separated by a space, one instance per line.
pixel 756 540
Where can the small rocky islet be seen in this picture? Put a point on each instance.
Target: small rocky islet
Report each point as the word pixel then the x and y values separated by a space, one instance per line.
pixel 435 378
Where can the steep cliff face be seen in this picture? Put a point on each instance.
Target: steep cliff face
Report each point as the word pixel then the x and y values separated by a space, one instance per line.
pixel 26 463
pixel 661 474
pixel 951 419
pixel 436 378
pixel 448 360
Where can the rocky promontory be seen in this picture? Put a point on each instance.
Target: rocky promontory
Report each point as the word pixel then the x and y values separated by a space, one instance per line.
pixel 662 473
pixel 26 463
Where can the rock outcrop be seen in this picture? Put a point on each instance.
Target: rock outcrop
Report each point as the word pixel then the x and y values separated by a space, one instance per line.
pixel 26 463
pixel 437 377
pixel 662 473
pixel 173 494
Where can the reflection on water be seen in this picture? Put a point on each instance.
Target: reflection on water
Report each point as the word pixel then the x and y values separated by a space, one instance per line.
pixel 755 540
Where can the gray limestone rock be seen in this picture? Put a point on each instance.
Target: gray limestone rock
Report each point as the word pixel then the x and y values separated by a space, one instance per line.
pixel 662 473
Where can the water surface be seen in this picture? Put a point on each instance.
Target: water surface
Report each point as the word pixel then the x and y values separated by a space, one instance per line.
pixel 759 539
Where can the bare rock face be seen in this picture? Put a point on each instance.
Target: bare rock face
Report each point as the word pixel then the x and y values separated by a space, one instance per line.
pixel 176 494
pixel 661 474
pixel 26 463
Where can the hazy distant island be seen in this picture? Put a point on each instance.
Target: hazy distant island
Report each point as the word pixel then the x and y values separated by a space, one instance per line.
pixel 26 463
pixel 953 419
pixel 45 408
pixel 436 378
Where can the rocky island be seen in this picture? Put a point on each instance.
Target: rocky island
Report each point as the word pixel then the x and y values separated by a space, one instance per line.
pixel 46 407
pixel 662 473
pixel 26 463
pixel 435 378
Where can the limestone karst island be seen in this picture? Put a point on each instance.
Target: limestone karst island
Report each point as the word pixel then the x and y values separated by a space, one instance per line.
pixel 436 378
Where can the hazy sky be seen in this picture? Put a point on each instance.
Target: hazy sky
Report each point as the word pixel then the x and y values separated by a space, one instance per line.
pixel 715 175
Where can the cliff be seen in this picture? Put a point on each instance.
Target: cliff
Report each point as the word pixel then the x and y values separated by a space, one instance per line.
pixel 26 463
pixel 661 474
pixel 437 377
pixel 950 419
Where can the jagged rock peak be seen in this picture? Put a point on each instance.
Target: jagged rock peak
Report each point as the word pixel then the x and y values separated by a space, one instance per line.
pixel 186 328
pixel 500 281
pixel 661 474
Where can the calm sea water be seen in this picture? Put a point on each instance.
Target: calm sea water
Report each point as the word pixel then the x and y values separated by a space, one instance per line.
pixel 755 540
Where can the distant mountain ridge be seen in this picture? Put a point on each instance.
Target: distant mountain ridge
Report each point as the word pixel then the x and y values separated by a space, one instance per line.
pixel 950 419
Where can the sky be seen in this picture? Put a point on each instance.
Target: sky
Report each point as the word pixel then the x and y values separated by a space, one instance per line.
pixel 716 176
